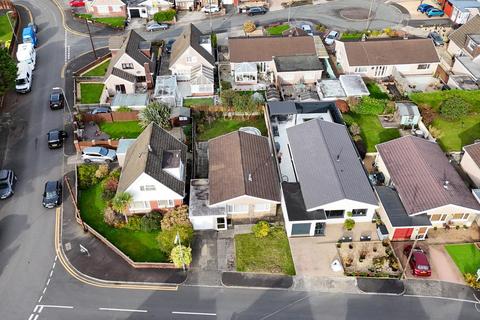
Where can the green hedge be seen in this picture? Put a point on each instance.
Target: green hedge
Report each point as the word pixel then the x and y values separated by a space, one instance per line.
pixel 166 15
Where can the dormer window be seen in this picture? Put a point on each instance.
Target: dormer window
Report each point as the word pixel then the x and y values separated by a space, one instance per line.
pixel 172 163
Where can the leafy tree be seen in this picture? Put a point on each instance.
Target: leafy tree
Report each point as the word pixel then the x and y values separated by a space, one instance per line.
pixel 121 202
pixel 166 15
pixel 166 238
pixel 86 175
pixel 176 217
pixel 261 229
pixel 454 108
pixel 158 113
pixel 109 186
pixel 249 26
pixel 8 71
pixel 181 255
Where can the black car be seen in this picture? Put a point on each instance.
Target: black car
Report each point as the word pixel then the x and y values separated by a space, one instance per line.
pixel 253 11
pixel 52 195
pixel 7 183
pixel 55 138
pixel 436 37
pixel 169 45
pixel 57 100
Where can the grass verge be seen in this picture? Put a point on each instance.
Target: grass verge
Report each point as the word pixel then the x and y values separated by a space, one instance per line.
pixel 122 129
pixel 277 30
pixel 115 22
pixel 187 103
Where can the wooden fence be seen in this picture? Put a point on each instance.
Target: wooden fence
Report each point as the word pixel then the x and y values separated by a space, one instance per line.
pixel 111 117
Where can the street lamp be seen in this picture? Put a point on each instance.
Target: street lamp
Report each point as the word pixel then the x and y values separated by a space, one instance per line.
pixel 11 26
pixel 178 241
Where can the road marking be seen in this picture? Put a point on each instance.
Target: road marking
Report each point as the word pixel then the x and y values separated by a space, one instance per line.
pixel 51 273
pixel 122 310
pixel 48 282
pixel 44 289
pixel 40 299
pixel 53 267
pixel 441 298
pixel 33 317
pixel 195 313
pixel 283 308
pixel 53 306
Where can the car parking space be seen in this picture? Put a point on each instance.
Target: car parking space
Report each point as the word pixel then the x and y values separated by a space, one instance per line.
pixel 412 6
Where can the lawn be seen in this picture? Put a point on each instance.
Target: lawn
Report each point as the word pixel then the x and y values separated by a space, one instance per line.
pixel 115 22
pixel 466 257
pixel 269 254
pixel 372 131
pixel 277 30
pixel 138 245
pixel 375 91
pixel 99 70
pixel 187 103
pixel 434 99
pixel 351 36
pixel 90 92
pixel 5 29
pixel 121 129
pixel 222 126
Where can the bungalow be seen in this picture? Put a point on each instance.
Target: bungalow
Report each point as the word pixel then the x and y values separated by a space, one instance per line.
pixel 132 66
pixel 106 8
pixel 422 189
pixel 242 184
pixel 460 11
pixel 297 69
pixel 154 171
pixel 470 162
pixel 383 58
pixel 146 8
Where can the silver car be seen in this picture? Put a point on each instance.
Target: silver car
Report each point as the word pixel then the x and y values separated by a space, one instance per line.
pixel 154 26
pixel 98 154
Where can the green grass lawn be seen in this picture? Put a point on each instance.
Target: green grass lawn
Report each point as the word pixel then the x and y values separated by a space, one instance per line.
pixel 277 30
pixel 187 103
pixel 223 126
pixel 99 70
pixel 434 99
pixel 138 245
pixel 466 257
pixel 372 131
pixel 269 254
pixel 90 92
pixel 375 91
pixel 121 129
pixel 6 32
pixel 115 22
pixel 351 36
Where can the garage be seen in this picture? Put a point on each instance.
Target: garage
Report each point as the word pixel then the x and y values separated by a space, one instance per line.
pixel 301 229
pixel 134 13
pixel 402 233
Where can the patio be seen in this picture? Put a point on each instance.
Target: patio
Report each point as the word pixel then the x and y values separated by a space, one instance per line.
pixel 452 235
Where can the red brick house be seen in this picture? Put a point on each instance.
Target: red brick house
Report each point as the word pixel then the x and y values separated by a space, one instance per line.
pixel 106 8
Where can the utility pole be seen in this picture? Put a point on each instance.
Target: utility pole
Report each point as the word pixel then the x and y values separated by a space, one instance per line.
pixel 178 241
pixel 369 14
pixel 408 259
pixel 91 40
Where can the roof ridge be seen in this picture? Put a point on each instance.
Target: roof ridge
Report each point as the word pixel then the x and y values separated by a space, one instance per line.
pixel 241 163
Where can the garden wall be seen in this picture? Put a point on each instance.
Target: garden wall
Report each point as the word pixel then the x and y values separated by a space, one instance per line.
pixel 80 145
pixel 111 117
pixel 92 64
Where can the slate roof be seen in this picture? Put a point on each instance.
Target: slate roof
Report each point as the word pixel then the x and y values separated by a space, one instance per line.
pixel 140 159
pixel 253 49
pixel 327 164
pixel 418 169
pixel 298 63
pixel 390 52
pixel 240 164
pixel 473 151
pixel 296 210
pixel 459 36
pixel 191 37
pixel 123 75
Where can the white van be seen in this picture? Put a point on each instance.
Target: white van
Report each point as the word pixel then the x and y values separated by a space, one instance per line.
pixel 26 53
pixel 23 83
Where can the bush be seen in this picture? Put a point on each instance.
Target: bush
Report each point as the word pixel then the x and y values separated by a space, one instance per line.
pixel 471 280
pixel 115 173
pixel 176 217
pixel 163 16
pixel 454 108
pixel 112 218
pixel 181 255
pixel 124 109
pixel 151 221
pixel 320 28
pixel 249 26
pixel 101 172
pixel 86 175
pixel 370 105
pixel 354 129
pixel 134 223
pixel 166 238
pixel 261 229
pixel 342 106
pixel 225 85
pixel 435 132
pixel 349 224
pixel 213 38
pixel 109 188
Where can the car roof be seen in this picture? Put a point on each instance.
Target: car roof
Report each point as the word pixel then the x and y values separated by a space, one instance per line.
pixel 4 174
pixel 420 257
pixel 51 185
pixel 92 149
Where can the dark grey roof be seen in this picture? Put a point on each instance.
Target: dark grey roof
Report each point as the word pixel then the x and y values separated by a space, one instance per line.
pixel 395 211
pixel 291 107
pixel 134 43
pixel 459 36
pixel 146 154
pixel 171 159
pixel 199 195
pixel 124 75
pixel 191 37
pixel 297 63
pixel 281 107
pixel 292 193
pixel 323 152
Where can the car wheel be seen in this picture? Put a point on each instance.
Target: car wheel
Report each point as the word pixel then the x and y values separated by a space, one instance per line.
pixel 88 160
pixel 108 161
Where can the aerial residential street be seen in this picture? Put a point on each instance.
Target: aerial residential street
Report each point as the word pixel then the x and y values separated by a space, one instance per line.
pixel 34 285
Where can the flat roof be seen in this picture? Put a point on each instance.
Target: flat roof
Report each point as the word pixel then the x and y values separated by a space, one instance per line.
pixel 353 85
pixel 123 145
pixel 297 63
pixel 134 99
pixel 296 210
pixel 331 88
pixel 198 205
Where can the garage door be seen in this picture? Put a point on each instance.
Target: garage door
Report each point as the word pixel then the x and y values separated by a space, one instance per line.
pixel 134 13
pixel 301 229
pixel 402 234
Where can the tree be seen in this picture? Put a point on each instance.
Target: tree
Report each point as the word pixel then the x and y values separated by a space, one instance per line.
pixel 181 255
pixel 166 238
pixel 8 71
pixel 158 113
pixel 249 26
pixel 176 217
pixel 261 229
pixel 121 202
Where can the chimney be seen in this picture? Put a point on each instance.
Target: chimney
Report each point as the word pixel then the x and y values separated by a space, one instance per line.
pixel 148 75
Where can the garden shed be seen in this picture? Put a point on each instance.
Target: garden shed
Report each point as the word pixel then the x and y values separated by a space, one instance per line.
pixel 407 113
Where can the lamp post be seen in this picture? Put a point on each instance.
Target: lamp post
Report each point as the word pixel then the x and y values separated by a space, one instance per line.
pixel 178 241
pixel 11 26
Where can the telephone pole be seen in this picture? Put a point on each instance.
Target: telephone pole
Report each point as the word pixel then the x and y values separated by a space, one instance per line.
pixel 91 40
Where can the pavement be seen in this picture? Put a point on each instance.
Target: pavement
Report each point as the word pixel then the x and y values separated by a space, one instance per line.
pixel 385 286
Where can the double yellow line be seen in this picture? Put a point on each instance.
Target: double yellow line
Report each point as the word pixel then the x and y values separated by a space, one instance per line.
pixel 92 281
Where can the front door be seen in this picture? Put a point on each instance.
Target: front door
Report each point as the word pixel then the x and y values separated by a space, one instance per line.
pixel 422 232
pixel 221 223
pixel 319 229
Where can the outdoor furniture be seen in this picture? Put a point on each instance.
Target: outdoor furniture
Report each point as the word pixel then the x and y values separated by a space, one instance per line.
pixel 345 239
pixel 365 238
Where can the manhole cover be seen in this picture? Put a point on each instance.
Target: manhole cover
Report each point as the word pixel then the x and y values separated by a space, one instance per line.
pixel 355 13
pixel 68 246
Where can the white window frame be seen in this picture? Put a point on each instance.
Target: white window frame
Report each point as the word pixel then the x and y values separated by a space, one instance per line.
pixel 148 187
pixel 191 59
pixel 139 205
pixel 262 207
pixel 423 66
pixel 237 208
pixel 169 203
pixel 361 69
pixel 465 216
pixel 471 44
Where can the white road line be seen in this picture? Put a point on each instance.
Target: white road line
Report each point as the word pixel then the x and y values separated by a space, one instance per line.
pixel 441 298
pixel 53 306
pixel 40 299
pixel 51 273
pixel 195 313
pixel 36 307
pixel 36 317
pixel 56 257
pixel 44 289
pixel 31 316
pixel 122 310
pixel 53 267
pixel 48 282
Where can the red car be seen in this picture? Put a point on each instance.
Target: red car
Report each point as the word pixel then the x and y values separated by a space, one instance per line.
pixel 418 262
pixel 76 3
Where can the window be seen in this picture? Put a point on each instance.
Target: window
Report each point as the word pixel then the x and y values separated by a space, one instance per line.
pixel 147 188
pixel 127 66
pixel 361 69
pixel 237 208
pixel 461 216
pixel 191 59
pixel 120 88
pixel 334 214
pixel 423 66
pixel 141 79
pixel 262 207
pixel 359 212
pixel 438 217
pixel 139 205
pixel 472 45
pixel 166 203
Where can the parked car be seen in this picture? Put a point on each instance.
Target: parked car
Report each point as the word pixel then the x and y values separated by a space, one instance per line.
pixel 52 194
pixel 7 183
pixel 98 154
pixel 307 28
pixel 169 45
pixel 434 12
pixel 57 99
pixel 100 110
pixel 254 11
pixel 418 261
pixel 154 26
pixel 331 36
pixel 76 3
pixel 55 138
pixel 34 26
pixel 211 8
pixel 436 37
pixel 424 7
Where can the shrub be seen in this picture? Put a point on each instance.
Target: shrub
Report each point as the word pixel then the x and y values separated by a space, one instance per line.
pixel 86 175
pixel 320 28
pixel 370 105
pixel 454 108
pixel 151 221
pixel 435 132
pixel 471 280
pixel 389 108
pixel 166 238
pixel 112 218
pixel 261 229
pixel 115 173
pixel 134 223
pixel 349 224
pixel 166 15
pixel 176 217
pixel 249 26
pixel 225 85
pixel 181 255
pixel 213 38
pixel 109 188
pixel 101 172
pixel 124 109
pixel 354 129
pixel 342 106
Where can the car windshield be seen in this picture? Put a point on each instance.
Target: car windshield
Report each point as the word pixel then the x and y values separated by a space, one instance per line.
pixel 20 81
pixel 423 268
pixel 55 97
pixel 103 151
pixel 3 185
pixel 53 136
pixel 330 36
pixel 50 194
